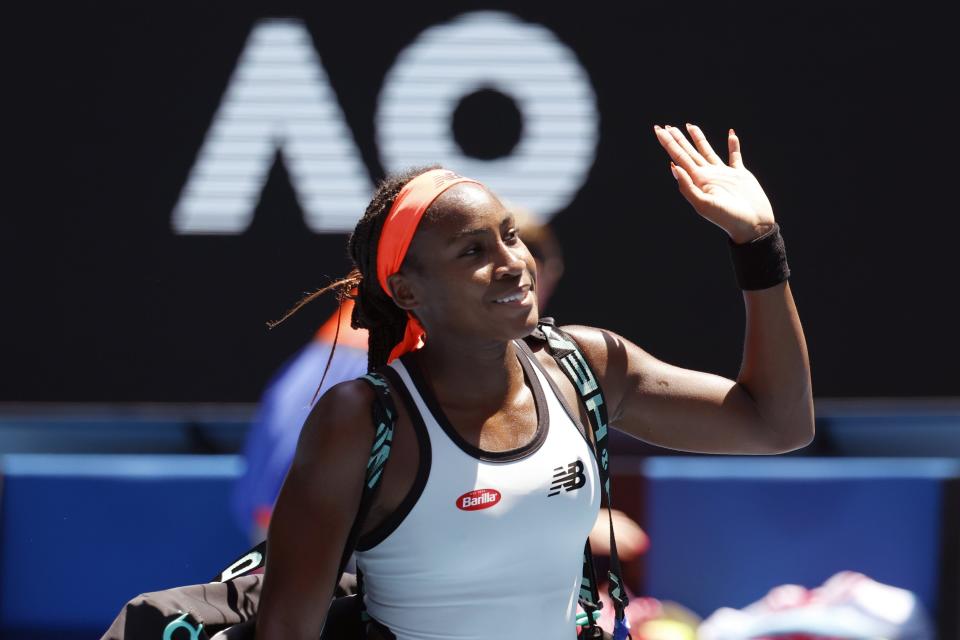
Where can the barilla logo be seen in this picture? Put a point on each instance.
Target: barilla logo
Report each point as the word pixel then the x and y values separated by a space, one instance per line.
pixel 478 499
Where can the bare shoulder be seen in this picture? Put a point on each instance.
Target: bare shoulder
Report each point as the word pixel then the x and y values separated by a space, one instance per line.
pixel 607 352
pixel 315 511
pixel 592 340
pixel 621 366
pixel 339 428
pixel 328 469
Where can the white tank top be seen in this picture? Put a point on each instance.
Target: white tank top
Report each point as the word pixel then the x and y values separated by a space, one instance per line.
pixel 487 545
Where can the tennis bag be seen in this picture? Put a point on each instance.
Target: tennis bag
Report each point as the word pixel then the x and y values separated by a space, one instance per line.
pixel 225 608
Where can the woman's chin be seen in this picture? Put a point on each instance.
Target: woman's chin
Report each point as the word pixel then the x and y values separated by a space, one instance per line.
pixel 520 326
pixel 531 321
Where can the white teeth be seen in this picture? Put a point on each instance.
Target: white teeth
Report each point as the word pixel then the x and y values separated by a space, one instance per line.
pixel 516 296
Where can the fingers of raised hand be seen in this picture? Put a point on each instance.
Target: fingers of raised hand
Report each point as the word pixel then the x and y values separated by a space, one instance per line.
pixel 688 187
pixel 703 146
pixel 733 146
pixel 686 146
pixel 690 150
pixel 675 149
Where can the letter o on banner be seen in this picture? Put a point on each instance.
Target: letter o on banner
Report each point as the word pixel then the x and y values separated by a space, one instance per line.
pixel 494 50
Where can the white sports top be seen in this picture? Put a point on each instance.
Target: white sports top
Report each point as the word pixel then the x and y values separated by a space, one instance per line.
pixel 488 545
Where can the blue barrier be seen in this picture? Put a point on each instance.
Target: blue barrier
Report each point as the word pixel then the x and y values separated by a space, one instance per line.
pixel 82 534
pixel 726 530
pixel 136 430
pixel 891 435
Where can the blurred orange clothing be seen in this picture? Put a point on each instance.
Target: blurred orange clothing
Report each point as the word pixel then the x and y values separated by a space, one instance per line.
pixel 350 337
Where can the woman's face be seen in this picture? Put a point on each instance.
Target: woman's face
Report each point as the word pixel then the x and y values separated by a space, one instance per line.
pixel 467 271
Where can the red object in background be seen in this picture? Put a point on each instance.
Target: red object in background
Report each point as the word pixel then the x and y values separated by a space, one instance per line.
pixel 261 517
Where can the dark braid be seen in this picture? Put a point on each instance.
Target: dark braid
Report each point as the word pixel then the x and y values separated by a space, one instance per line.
pixel 375 310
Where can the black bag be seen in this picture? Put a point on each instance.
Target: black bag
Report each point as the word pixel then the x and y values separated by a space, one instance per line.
pixel 226 607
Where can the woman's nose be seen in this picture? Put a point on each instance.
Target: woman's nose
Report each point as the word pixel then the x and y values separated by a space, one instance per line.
pixel 510 261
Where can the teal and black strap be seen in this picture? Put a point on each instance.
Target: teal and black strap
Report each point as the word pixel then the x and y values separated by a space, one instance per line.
pixel 589 591
pixel 568 355
pixel 384 419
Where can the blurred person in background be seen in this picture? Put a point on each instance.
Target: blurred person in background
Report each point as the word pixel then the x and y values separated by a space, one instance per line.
pixel 284 406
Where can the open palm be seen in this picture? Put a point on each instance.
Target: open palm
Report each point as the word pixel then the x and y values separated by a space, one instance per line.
pixel 727 195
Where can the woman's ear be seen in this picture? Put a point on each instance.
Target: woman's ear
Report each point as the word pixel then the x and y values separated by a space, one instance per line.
pixel 404 291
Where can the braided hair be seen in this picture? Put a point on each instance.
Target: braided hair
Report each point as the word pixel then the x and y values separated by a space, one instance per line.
pixel 374 309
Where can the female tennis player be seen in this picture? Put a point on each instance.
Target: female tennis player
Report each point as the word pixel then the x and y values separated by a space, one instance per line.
pixel 491 488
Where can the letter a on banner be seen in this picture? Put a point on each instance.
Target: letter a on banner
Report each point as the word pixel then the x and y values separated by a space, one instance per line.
pixel 278 99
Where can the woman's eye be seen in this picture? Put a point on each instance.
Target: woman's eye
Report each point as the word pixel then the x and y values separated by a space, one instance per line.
pixel 471 250
pixel 513 234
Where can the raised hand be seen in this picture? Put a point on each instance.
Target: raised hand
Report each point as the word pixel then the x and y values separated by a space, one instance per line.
pixel 727 195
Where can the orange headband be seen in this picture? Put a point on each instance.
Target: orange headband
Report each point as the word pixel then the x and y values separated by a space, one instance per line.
pixel 397 233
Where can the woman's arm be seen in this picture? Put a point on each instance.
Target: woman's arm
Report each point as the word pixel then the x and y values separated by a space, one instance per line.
pixel 769 407
pixel 314 513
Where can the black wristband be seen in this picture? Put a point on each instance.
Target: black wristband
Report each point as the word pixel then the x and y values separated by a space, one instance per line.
pixel 762 262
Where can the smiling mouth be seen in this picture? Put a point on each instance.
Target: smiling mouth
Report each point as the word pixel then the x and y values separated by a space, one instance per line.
pixel 514 298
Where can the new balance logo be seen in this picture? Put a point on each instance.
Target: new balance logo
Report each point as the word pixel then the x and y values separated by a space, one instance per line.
pixel 567 478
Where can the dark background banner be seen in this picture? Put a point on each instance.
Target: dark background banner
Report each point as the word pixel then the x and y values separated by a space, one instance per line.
pixel 842 112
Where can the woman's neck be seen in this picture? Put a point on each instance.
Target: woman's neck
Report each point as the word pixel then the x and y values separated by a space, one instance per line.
pixel 471 374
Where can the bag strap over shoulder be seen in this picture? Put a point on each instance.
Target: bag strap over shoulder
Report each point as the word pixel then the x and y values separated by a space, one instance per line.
pixel 566 352
pixel 384 420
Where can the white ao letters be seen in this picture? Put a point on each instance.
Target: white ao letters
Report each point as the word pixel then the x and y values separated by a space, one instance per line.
pixel 279 99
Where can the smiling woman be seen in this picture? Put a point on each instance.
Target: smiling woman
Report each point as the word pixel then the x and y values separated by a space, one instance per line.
pixel 446 287
pixel 470 274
